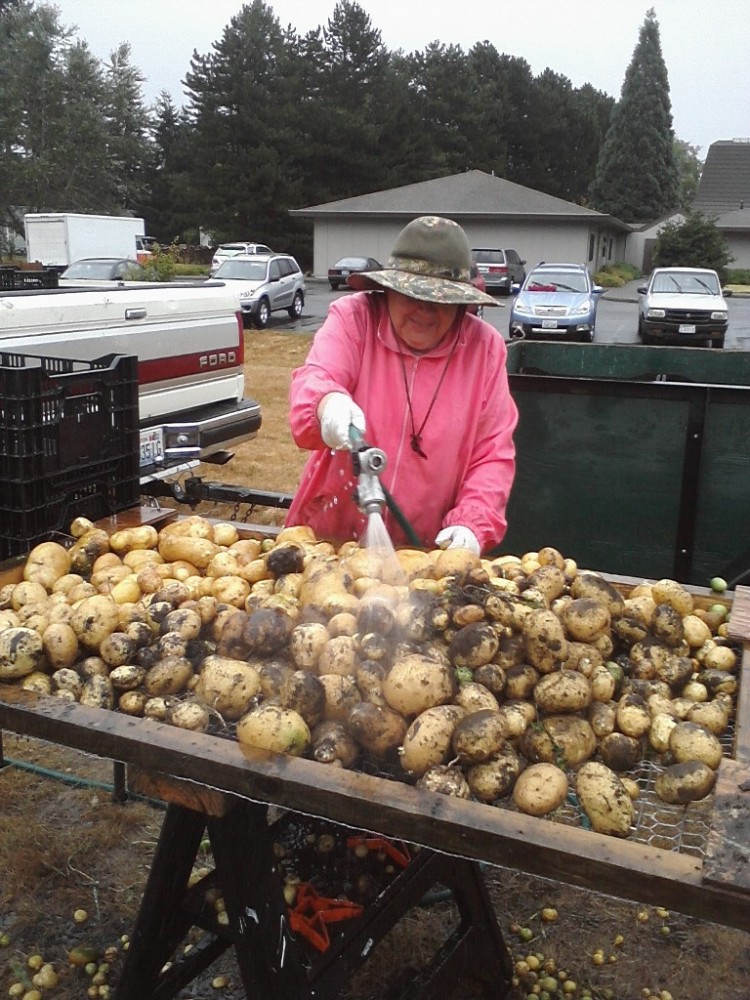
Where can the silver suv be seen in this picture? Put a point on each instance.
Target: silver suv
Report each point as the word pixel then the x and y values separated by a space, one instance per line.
pixel 265 284
pixel 500 268
pixel 227 250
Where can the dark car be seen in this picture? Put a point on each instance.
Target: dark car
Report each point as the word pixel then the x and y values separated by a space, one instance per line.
pixel 500 268
pixel 102 271
pixel 341 270
pixel 478 282
pixel 556 302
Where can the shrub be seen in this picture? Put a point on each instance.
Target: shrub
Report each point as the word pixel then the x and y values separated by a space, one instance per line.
pixel 696 242
pixel 616 275
pixel 738 276
pixel 161 265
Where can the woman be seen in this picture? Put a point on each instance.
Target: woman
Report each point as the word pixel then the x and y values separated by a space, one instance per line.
pixel 412 370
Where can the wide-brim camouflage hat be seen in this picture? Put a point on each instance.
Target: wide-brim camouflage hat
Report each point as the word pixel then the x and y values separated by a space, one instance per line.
pixel 430 261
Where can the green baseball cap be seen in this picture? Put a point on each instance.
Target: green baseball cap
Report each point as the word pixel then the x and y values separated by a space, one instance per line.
pixel 430 261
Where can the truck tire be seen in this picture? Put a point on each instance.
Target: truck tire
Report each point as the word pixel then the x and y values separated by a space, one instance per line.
pixel 262 314
pixel 295 309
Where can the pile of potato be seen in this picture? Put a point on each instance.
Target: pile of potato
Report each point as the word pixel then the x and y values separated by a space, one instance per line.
pixel 518 679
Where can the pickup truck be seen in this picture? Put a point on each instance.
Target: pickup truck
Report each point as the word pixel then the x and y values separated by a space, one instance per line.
pixel 188 338
pixel 683 305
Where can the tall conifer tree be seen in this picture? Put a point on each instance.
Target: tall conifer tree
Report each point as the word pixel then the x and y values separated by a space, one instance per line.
pixel 636 178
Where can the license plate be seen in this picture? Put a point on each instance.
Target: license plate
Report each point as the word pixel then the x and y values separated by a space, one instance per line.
pixel 152 446
pixel 686 328
pixel 549 324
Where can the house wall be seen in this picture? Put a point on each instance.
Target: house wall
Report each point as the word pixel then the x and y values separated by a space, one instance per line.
pixel 739 247
pixel 574 241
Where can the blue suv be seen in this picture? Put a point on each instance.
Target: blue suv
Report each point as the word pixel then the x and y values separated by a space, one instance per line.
pixel 556 302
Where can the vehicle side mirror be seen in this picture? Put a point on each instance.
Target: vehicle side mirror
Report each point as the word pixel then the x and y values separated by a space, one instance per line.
pixel 515 288
pixel 727 293
pixel 597 289
pixel 523 261
pixel 641 290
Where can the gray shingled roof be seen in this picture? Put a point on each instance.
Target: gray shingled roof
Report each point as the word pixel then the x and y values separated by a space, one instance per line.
pixel 725 181
pixel 735 221
pixel 473 193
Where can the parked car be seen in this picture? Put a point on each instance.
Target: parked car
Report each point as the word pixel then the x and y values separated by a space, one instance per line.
pixel 683 304
pixel 265 284
pixel 341 270
pixel 556 302
pixel 227 250
pixel 478 281
pixel 101 271
pixel 501 269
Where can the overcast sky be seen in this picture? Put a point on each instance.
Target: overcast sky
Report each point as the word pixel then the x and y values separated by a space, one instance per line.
pixel 705 44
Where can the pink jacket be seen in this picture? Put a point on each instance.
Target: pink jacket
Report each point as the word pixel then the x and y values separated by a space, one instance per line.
pixel 467 475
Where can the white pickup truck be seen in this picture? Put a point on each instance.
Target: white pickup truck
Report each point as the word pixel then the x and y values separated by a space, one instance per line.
pixel 189 341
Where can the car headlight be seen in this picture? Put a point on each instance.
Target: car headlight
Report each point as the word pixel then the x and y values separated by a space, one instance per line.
pixel 719 314
pixel 523 308
pixel 582 310
pixel 655 314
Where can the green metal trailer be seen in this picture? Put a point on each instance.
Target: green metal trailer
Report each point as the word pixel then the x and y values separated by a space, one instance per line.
pixel 633 460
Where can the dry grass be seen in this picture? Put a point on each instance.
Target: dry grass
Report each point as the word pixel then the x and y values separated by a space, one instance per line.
pixel 63 848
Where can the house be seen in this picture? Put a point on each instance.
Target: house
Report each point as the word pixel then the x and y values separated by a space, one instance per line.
pixel 724 194
pixel 494 213
pixel 642 241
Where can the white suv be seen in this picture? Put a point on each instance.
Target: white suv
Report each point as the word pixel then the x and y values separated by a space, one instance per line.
pixel 227 250
pixel 265 284
pixel 683 305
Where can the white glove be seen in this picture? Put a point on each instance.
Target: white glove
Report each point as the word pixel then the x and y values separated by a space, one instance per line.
pixel 458 537
pixel 337 413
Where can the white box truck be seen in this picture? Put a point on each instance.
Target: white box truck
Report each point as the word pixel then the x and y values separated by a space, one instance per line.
pixel 56 239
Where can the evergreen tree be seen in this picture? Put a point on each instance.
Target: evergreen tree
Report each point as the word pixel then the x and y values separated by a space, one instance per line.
pixel 636 178
pixel 689 169
pixel 696 242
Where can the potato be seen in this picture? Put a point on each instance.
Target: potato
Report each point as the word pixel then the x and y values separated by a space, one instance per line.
pixel 604 799
pixel 94 619
pixel 495 777
pixel 339 656
pixel 188 715
pixel 454 562
pixel 225 685
pixel 540 789
pixel 474 697
pixel 686 782
pixel 567 740
pixel 303 692
pixel 60 645
pixel 690 741
pixel 127 677
pixel 633 716
pixel 591 585
pixel 416 682
pixel 585 618
pixel 378 730
pixel 446 780
pixel 198 550
pixel 169 676
pixel 97 692
pixel 714 715
pixel 21 652
pixel 332 744
pixel 341 695
pixel 41 683
pixel 562 691
pixel 142 536
pixel 478 735
pixel 673 593
pixel 46 563
pixel 520 681
pixel 518 715
pixel 620 752
pixel 66 679
pixel 666 625
pixel 271 727
pixel 231 590
pixel 133 703
pixel 602 718
pixel 427 741
pixel 660 730
pixel 473 645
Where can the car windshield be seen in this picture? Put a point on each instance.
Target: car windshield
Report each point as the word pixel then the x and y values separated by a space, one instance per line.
pixel 551 281
pixel 489 256
pixel 244 270
pixel 686 284
pixel 101 269
pixel 351 262
pixel 231 248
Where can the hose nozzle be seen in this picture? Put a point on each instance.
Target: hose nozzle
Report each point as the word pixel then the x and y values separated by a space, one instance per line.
pixel 369 495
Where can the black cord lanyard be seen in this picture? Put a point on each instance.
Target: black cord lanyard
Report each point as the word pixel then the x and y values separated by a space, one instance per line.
pixel 416 434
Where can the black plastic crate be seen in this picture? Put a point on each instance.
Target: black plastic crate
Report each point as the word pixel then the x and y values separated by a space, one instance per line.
pixel 68 443
pixel 12 278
